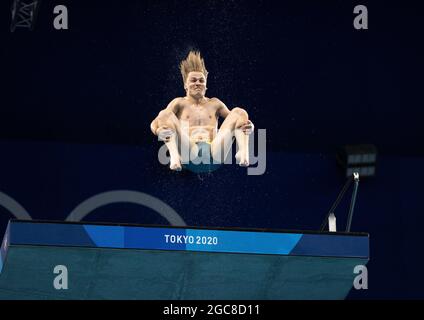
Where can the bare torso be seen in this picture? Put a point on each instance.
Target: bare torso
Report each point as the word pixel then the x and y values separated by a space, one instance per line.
pixel 201 118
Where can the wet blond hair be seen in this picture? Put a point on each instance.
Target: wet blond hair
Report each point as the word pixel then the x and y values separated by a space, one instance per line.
pixel 193 62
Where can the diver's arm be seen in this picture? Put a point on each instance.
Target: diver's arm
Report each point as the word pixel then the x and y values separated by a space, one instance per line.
pixel 222 110
pixel 173 106
pixel 154 126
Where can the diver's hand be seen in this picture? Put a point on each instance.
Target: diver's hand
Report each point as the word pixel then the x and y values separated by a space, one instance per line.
pixel 248 127
pixel 164 133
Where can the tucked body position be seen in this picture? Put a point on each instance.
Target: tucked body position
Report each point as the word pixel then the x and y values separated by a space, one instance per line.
pixel 187 122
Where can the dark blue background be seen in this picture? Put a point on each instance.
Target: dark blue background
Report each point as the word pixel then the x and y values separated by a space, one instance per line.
pixel 76 105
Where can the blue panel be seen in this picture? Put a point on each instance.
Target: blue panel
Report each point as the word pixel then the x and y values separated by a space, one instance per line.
pixel 332 245
pixel 135 237
pixel 242 241
pixel 106 236
pixel 154 238
pixel 49 234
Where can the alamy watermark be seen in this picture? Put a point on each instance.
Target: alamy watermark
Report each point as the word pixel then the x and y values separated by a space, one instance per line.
pixel 61 20
pixel 60 282
pixel 361 20
pixel 224 154
pixel 361 280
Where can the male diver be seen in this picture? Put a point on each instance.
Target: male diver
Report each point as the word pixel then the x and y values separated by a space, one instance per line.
pixel 188 121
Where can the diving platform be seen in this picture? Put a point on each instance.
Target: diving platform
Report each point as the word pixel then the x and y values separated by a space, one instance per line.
pixel 122 261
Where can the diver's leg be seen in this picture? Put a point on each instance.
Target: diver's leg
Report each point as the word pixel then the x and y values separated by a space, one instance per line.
pixel 242 155
pixel 168 120
pixel 230 128
pixel 165 124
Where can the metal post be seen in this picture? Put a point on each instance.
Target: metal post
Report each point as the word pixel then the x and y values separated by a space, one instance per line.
pixel 336 203
pixel 353 200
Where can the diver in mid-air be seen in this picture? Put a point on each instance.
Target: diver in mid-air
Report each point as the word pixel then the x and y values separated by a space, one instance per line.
pixel 188 121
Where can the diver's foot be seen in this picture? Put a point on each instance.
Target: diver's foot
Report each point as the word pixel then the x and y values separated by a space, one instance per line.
pixel 175 165
pixel 242 161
